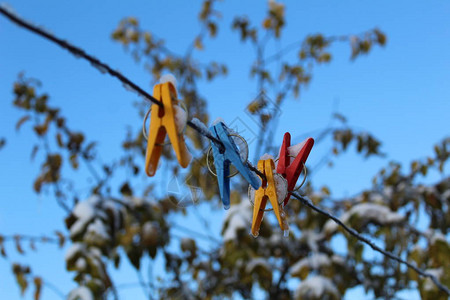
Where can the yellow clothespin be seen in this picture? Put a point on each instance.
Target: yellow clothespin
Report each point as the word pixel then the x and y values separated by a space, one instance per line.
pixel 267 191
pixel 162 122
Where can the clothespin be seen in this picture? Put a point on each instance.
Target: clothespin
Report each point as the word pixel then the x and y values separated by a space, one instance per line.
pixel 291 170
pixel 267 191
pixel 162 122
pixel 222 161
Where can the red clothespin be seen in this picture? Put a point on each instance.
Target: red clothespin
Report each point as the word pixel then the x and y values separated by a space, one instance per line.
pixel 291 171
pixel 267 191
pixel 162 122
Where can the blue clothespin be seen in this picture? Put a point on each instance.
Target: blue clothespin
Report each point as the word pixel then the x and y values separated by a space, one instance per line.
pixel 222 161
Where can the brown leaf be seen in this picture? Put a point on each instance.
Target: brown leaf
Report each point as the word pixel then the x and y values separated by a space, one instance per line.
pixel 125 189
pixel 381 37
pixel 41 129
pixel 20 272
pixel 37 285
pixel 37 185
pixel 61 238
pixel 134 255
pixel 325 190
pixel 21 121
pixel 18 245
pixel 2 248
pixel 198 44
pixel 267 23
pixel 74 161
pixel 212 27
pixel 59 140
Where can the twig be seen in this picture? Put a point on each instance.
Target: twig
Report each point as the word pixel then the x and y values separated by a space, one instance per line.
pixel 195 233
pixel 363 239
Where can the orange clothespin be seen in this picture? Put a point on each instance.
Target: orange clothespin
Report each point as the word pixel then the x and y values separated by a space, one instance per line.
pixel 162 122
pixel 267 191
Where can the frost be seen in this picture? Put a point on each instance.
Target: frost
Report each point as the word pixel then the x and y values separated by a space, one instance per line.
pixel 80 293
pixel 180 118
pixel 281 186
pixel 81 264
pixel 275 6
pixel 80 249
pixel 284 220
pixel 96 232
pixel 236 138
pixel 438 237
pixel 316 287
pixel 74 250
pixel 337 259
pixel 377 212
pixel 275 238
pixel 429 284
pixel 294 150
pixel 368 212
pixel 311 238
pixel 416 247
pixel 8 8
pixel 95 252
pixel 118 212
pixel 201 126
pixel 315 261
pixel 138 201
pixel 149 233
pixel 242 147
pixel 99 67
pixel 258 262
pixel 376 197
pixel 238 217
pixel 168 78
pixel 318 260
pixel 217 121
pixel 85 209
pixel 446 195
pixel 434 236
pixel 85 212
pixel 266 156
pixel 251 194
pixel 129 88
pixel 253 174
pixel 92 218
pixel 148 228
pixel 388 191
pixel 330 227
pixel 401 187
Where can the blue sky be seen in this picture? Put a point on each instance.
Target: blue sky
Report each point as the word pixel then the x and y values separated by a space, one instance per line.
pixel 399 93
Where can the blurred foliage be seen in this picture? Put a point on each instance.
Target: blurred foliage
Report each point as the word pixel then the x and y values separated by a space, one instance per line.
pixel 23 277
pixel 123 219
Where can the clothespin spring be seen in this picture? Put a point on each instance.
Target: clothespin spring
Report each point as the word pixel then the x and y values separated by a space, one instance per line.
pixel 147 114
pixel 281 196
pixel 244 160
pixel 304 173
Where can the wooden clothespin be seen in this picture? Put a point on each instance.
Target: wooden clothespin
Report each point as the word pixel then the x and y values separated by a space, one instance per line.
pixel 291 171
pixel 267 191
pixel 223 159
pixel 162 122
